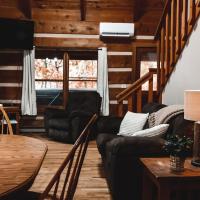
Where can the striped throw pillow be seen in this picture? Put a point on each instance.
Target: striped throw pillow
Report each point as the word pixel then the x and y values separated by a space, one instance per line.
pixel 132 123
pixel 158 130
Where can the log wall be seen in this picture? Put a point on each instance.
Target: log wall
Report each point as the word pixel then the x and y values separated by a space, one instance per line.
pixel 59 26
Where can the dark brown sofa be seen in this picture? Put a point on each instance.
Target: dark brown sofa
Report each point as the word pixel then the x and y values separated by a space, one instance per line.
pixel 121 155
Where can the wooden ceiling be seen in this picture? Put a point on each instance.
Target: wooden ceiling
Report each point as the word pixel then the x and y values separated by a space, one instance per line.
pixel 145 13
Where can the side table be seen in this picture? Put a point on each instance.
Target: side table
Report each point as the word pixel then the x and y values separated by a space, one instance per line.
pixel 157 172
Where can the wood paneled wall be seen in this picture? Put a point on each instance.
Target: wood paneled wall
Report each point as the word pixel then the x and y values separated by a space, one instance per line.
pixel 10 77
pixel 120 71
pixel 61 20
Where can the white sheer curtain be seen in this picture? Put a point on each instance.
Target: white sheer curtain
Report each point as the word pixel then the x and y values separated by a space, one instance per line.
pixel 28 105
pixel 102 80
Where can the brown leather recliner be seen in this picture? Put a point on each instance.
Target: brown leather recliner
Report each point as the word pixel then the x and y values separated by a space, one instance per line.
pixel 66 125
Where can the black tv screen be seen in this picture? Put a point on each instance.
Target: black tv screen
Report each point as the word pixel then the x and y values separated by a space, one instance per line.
pixel 16 34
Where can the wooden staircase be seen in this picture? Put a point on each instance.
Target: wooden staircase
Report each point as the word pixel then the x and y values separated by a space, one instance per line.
pixel 135 90
pixel 176 25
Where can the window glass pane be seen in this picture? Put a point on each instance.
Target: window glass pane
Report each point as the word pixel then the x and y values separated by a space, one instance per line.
pixel 48 85
pixel 83 84
pixel 49 69
pixel 83 74
pixel 144 66
pixel 49 74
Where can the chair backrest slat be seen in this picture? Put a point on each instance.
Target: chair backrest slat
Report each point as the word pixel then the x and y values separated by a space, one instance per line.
pixel 78 170
pixel 6 119
pixel 66 179
pixel 77 154
pixel 56 188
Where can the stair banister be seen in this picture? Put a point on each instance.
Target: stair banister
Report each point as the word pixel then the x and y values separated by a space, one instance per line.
pixel 136 88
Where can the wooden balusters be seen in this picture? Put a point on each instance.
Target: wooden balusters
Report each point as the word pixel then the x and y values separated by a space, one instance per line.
pixel 178 25
pixel 197 8
pixel 139 99
pixel 130 103
pixel 172 35
pixel 192 13
pixel 184 21
pixel 158 66
pixel 167 47
pixel 150 91
pixel 198 3
pixel 175 27
pixel 162 56
pixel 120 108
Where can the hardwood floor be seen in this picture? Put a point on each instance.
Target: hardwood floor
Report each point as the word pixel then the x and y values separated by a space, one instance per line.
pixel 92 183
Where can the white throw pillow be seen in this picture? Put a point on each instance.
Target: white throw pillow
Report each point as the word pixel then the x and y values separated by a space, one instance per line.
pixel 158 130
pixel 132 123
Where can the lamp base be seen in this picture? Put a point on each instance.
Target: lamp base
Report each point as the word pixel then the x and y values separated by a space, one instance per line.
pixel 196 146
pixel 195 163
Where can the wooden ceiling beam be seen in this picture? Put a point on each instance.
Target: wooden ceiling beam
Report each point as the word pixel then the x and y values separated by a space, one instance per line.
pixel 82 10
pixel 25 6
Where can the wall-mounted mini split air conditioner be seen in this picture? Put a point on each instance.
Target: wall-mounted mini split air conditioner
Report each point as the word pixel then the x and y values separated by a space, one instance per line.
pixel 116 29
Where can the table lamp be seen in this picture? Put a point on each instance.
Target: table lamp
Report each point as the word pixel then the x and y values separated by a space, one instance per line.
pixel 192 112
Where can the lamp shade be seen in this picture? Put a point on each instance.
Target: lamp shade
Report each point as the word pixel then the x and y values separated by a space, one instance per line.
pixel 192 105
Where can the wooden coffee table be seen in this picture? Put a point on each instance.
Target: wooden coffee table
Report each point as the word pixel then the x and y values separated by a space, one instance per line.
pixel 157 172
pixel 20 160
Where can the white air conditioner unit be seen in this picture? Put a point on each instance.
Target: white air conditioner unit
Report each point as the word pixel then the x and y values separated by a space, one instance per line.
pixel 116 29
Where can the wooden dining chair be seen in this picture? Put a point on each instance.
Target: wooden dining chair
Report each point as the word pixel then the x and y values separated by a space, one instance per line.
pixel 63 184
pixel 5 122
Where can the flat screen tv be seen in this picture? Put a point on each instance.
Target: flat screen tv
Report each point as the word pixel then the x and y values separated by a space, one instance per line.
pixel 16 34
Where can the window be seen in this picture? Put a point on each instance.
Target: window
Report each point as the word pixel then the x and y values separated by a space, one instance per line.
pixel 83 74
pixel 145 65
pixel 49 73
pixel 146 58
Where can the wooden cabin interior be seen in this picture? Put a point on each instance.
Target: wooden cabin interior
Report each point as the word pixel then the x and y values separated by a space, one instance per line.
pixel 65 59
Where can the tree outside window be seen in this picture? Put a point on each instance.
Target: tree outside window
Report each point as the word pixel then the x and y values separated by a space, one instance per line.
pixel 49 74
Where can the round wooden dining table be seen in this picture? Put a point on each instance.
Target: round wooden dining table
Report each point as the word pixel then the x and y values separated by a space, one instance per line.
pixel 20 160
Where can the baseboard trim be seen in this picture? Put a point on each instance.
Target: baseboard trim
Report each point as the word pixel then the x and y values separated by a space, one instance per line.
pixel 32 130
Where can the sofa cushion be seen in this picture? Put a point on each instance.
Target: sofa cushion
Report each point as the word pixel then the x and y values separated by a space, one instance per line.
pixel 132 122
pixel 155 131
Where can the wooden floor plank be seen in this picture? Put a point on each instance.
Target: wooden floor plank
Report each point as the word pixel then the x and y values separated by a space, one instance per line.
pixel 92 183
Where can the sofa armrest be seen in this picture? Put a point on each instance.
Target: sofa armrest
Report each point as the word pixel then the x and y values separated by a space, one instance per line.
pixel 102 140
pixel 54 112
pixel 79 113
pixel 136 146
pixel 77 124
pixel 109 124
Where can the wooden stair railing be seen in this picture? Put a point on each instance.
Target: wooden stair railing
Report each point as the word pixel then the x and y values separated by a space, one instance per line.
pixel 177 22
pixel 136 89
